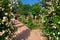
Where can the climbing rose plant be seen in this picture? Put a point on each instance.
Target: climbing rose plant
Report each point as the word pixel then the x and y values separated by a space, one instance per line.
pixel 6 20
pixel 52 21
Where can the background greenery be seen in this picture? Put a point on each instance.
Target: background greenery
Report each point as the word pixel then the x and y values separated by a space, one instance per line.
pixel 44 15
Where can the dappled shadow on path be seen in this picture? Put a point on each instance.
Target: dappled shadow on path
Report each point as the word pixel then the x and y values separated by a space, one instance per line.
pixel 23 35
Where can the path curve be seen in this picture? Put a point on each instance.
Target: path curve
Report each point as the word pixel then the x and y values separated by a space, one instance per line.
pixel 24 33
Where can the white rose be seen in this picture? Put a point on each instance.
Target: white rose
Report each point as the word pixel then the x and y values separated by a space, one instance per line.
pixel 58 22
pixel 6 37
pixel 58 32
pixel 44 21
pixel 49 37
pixel 3 20
pixel 57 38
pixel 35 16
pixel 2 9
pixel 54 34
pixel 6 13
pixel 13 19
pixel 3 31
pixel 54 27
pixel 6 23
pixel 9 5
pixel 54 13
pixel 4 17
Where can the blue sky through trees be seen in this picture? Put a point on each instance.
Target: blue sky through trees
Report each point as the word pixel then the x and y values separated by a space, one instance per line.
pixel 29 1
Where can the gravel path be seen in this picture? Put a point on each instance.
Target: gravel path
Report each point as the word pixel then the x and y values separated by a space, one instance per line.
pixel 24 33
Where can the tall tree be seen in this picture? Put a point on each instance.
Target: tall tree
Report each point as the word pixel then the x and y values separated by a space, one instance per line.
pixel 35 9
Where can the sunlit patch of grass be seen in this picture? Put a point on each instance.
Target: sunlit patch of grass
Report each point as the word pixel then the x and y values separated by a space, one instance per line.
pixel 32 23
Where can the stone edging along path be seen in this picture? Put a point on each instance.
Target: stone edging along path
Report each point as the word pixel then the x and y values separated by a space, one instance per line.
pixel 24 33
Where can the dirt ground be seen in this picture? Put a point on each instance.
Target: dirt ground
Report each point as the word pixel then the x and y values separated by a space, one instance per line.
pixel 24 33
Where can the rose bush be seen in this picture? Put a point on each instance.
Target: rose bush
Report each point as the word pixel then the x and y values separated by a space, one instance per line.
pixel 6 20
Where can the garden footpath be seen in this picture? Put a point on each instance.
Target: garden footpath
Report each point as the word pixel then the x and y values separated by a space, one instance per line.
pixel 24 33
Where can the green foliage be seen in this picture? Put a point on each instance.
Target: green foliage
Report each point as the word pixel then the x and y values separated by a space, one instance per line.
pixel 23 9
pixel 6 27
pixel 23 19
pixel 52 23
pixel 35 9
pixel 29 23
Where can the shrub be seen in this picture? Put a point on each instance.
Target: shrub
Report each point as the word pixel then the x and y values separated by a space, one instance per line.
pixel 52 22
pixel 6 20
